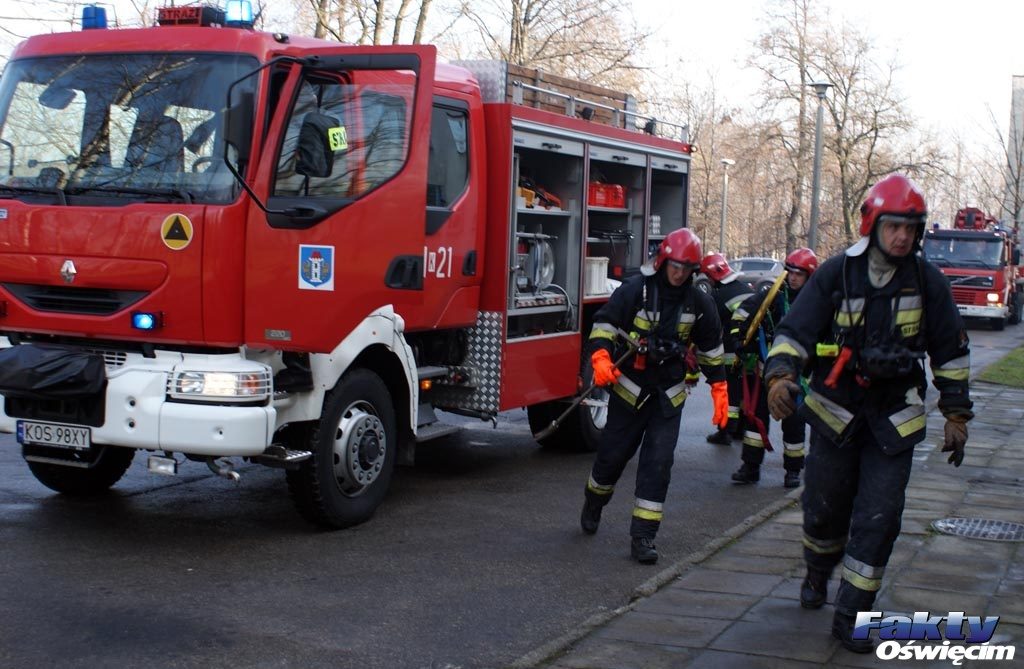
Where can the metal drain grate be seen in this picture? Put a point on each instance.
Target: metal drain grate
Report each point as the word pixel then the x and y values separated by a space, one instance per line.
pixel 981 528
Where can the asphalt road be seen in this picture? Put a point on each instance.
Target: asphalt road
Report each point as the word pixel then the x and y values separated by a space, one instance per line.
pixel 474 559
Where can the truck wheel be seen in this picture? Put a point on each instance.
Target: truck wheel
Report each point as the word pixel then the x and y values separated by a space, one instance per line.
pixel 110 466
pixel 998 323
pixel 1015 308
pixel 354 446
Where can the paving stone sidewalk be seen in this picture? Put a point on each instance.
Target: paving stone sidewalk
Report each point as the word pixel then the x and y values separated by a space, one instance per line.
pixel 737 605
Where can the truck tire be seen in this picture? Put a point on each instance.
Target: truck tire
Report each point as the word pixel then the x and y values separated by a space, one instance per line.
pixel 1015 308
pixel 354 445
pixel 108 469
pixel 998 323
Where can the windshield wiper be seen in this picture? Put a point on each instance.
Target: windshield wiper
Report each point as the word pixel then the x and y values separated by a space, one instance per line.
pixel 939 261
pixel 179 193
pixel 972 262
pixel 36 189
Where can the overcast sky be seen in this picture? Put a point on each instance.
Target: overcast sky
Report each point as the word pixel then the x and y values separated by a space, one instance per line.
pixel 957 59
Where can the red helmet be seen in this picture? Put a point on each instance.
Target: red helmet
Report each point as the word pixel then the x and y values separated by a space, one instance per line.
pixel 802 259
pixel 896 195
pixel 682 246
pixel 716 267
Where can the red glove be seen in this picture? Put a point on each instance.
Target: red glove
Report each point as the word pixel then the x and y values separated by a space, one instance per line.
pixel 605 373
pixel 720 396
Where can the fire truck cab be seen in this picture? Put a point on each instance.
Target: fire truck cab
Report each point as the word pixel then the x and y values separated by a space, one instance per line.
pixel 220 243
pixel 981 261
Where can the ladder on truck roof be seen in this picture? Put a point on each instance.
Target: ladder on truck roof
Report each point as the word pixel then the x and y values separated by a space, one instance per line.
pixel 505 82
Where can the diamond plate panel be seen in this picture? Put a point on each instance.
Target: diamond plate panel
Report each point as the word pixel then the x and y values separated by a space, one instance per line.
pixel 492 75
pixel 482 366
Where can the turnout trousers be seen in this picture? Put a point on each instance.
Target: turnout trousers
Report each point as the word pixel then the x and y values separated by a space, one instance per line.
pixel 655 436
pixel 853 505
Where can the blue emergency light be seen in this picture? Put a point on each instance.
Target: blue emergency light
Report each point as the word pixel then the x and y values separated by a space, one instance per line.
pixel 93 17
pixel 238 14
pixel 144 320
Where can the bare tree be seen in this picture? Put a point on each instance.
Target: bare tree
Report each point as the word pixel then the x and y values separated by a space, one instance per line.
pixel 866 115
pixel 421 22
pixel 783 55
pixel 367 21
pixel 591 40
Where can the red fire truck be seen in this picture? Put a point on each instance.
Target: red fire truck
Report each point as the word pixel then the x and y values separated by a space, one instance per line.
pixel 218 243
pixel 981 261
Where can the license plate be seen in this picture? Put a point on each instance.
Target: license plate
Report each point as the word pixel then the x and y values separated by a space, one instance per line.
pixel 54 434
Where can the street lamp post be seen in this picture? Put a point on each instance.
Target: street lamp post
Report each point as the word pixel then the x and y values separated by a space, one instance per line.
pixel 820 88
pixel 726 163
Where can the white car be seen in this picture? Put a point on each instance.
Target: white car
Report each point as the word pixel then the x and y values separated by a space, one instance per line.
pixel 757 270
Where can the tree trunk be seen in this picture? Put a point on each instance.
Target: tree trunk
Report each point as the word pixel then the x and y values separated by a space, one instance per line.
pixel 421 22
pixel 378 21
pixel 396 36
pixel 321 7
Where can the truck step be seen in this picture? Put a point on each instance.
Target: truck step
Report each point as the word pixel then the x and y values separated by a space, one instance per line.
pixel 435 430
pixel 430 372
pixel 278 455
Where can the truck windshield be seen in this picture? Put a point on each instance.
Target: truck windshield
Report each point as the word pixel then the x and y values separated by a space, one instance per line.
pixel 963 252
pixel 117 128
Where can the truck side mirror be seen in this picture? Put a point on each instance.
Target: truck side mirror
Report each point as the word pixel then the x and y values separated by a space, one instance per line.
pixel 319 137
pixel 56 97
pixel 1016 257
pixel 238 121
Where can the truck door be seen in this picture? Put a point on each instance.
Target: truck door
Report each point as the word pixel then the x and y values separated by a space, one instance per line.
pixel 343 172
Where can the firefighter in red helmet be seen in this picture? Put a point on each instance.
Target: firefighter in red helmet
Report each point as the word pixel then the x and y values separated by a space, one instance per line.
pixel 729 292
pixel 800 265
pixel 662 312
pixel 862 327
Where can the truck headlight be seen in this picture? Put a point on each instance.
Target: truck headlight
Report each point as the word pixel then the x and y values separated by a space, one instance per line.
pixel 992 297
pixel 220 386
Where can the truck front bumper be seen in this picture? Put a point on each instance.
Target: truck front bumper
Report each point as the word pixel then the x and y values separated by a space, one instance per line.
pixel 972 311
pixel 140 412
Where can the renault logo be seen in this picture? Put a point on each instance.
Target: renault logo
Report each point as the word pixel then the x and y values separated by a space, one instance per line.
pixel 68 271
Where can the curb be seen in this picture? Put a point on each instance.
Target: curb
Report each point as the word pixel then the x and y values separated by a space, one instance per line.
pixel 560 644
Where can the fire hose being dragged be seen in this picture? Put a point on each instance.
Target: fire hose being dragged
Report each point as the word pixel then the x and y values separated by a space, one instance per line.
pixel 641 349
pixel 752 388
pixel 634 348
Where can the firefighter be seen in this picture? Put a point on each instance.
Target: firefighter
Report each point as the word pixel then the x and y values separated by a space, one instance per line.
pixel 800 265
pixel 729 292
pixel 863 326
pixel 663 312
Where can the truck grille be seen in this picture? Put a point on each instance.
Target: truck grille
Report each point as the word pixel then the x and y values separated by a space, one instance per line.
pixel 68 300
pixel 971 281
pixel 964 295
pixel 112 359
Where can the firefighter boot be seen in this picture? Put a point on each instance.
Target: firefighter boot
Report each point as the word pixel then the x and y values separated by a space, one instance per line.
pixel 643 551
pixel 747 473
pixel 814 589
pixel 721 437
pixel 842 629
pixel 590 518
pixel 792 479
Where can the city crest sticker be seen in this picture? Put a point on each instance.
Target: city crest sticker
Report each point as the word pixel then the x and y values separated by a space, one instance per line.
pixel 316 267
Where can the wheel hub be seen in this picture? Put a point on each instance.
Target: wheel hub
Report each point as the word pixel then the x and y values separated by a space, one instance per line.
pixel 360 446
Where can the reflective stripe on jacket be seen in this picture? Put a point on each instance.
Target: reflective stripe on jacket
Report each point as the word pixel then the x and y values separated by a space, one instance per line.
pixel 850 312
pixel 632 309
